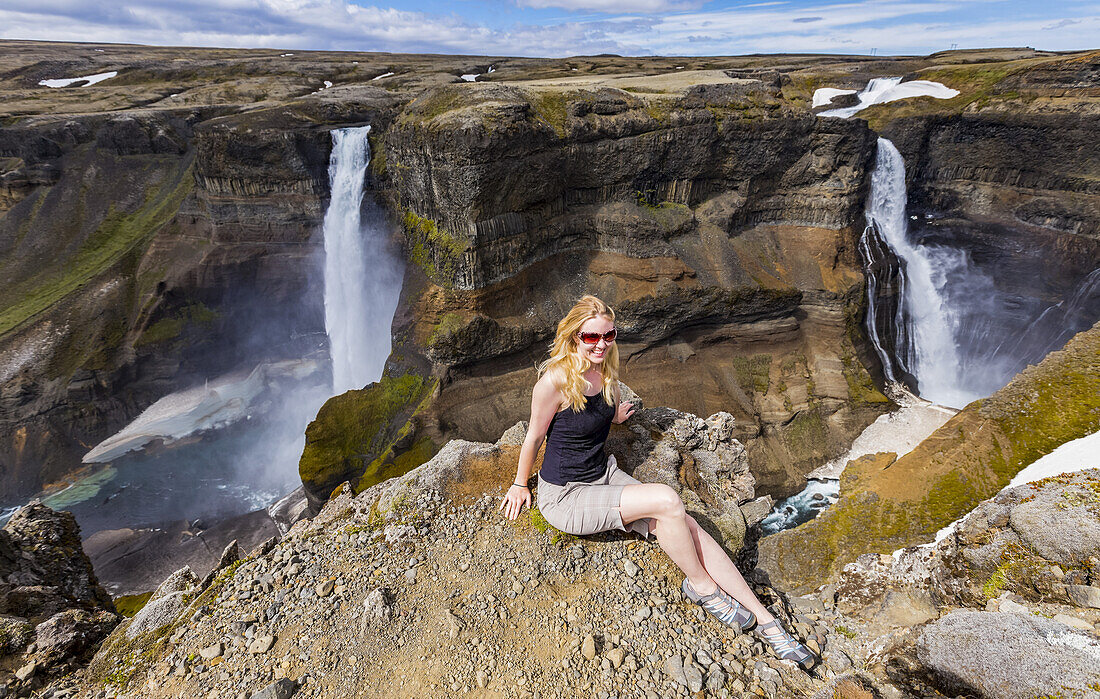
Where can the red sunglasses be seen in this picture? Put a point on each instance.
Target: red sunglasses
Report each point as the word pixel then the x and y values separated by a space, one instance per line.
pixel 593 338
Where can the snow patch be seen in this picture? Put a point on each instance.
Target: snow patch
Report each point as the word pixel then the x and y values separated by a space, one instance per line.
pixel 215 404
pixel 1077 641
pixel 470 77
pixel 882 90
pixel 825 95
pixel 1071 457
pixel 87 79
pixel 383 75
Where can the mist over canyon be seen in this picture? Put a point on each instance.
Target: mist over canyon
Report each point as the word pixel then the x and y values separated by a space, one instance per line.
pixel 241 283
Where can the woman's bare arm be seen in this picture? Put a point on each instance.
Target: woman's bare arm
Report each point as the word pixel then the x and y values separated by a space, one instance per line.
pixel 545 402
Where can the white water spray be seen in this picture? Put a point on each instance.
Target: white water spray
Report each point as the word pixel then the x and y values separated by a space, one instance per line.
pixel 362 275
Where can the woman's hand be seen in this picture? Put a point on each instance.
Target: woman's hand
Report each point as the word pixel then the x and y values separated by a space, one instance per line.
pixel 514 500
pixel 623 413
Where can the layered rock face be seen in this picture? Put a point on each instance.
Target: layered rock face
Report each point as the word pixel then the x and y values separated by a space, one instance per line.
pixel 719 223
pixel 146 254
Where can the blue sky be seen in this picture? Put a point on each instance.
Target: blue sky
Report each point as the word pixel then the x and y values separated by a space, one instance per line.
pixel 565 27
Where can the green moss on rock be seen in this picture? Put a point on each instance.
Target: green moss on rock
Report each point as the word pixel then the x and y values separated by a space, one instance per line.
pixel 354 429
pixel 129 605
pixel 752 372
pixel 436 252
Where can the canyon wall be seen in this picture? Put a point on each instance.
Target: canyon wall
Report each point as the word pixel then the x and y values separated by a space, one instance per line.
pixel 721 224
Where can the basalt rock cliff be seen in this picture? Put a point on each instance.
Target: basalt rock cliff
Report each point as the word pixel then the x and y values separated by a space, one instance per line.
pixel 163 226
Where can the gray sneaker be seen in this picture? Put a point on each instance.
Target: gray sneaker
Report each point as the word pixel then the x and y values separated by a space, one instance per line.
pixel 786 646
pixel 722 607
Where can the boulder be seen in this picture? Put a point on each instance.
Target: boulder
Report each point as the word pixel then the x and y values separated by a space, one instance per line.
pixel 44 566
pixel 71 633
pixel 1059 529
pixel 982 653
pixel 49 595
pixel 165 604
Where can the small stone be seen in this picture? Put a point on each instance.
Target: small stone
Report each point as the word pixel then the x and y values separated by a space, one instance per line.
pixel 616 656
pixel 588 647
pixel 211 652
pixel 26 671
pixel 1011 607
pixel 716 678
pixel 517 587
pixel 674 667
pixel 325 588
pixel 1084 595
pixel 694 677
pixel 281 689
pixel 630 568
pixel 454 624
pixel 410 576
pixel 261 644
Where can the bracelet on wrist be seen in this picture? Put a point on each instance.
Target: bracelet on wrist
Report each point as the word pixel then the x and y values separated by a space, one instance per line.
pixel 522 485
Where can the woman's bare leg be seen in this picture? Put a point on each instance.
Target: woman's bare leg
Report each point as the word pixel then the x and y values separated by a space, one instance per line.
pixel 673 532
pixel 722 570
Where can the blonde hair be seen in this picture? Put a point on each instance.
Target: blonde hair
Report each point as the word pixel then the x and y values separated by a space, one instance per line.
pixel 567 368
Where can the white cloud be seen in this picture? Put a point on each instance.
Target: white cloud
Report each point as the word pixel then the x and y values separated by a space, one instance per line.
pixel 891 26
pixel 301 24
pixel 638 6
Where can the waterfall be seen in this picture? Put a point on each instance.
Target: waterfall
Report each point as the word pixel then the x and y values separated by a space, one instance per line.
pixel 362 274
pixel 928 351
pixel 954 333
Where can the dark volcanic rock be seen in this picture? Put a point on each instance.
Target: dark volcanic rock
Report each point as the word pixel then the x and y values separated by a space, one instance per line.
pixel 48 592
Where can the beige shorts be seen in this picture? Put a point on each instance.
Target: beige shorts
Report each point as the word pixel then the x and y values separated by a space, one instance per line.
pixel 586 508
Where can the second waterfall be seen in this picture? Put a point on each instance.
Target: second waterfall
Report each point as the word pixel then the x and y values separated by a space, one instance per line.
pixel 362 273
pixel 942 322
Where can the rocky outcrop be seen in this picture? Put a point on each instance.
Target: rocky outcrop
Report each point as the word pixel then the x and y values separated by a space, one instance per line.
pixel 358 581
pixel 945 617
pixel 886 504
pixel 53 612
pixel 365 436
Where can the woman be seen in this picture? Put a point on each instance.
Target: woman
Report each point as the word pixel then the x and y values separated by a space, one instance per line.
pixel 583 491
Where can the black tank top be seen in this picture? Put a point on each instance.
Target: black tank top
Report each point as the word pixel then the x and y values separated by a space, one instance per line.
pixel 574 443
